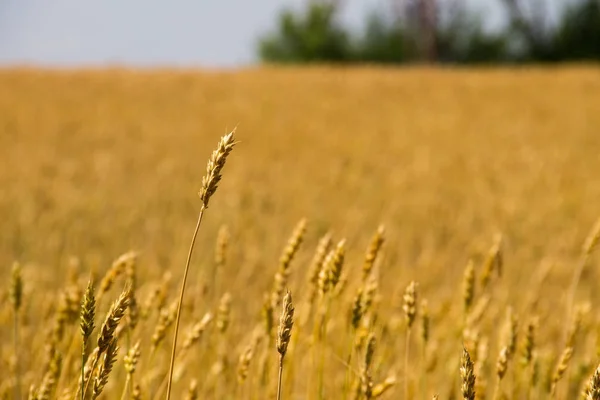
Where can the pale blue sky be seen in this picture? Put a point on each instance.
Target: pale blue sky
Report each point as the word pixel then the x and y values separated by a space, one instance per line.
pixel 208 33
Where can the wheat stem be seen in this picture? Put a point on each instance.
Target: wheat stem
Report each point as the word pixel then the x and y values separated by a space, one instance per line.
pixel 497 389
pixel 349 363
pixel 279 379
pixel 128 384
pixel 83 346
pixel 178 317
pixel 92 369
pixel 406 362
pixel 17 366
pixel 16 298
pixel 322 344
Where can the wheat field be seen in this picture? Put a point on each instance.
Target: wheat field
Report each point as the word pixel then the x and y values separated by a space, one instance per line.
pixel 436 229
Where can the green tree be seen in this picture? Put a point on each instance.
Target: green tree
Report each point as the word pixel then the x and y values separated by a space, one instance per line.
pixel 314 35
pixel 461 38
pixel 384 41
pixel 578 35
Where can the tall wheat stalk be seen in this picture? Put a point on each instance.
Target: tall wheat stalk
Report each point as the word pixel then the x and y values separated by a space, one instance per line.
pixel 209 186
pixel 425 322
pixel 410 312
pixel 16 298
pixel 590 243
pixel 86 326
pixel 328 279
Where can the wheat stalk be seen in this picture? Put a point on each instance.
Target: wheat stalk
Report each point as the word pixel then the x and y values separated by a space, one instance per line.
pixel 501 366
pixel 493 262
pixel 86 325
pixel 105 369
pixel 131 360
pixel 118 267
pixel 380 388
pixel 425 326
pixel 50 380
pixel 220 258
pixel 561 367
pixel 317 264
pixel 283 272
pixel 468 289
pixel 467 374
pixel 192 393
pixel 16 298
pixel 366 381
pixel 197 330
pixel 210 182
pixel 590 243
pixel 410 312
pixel 107 333
pixel 372 252
pixel 284 333
pixel 165 320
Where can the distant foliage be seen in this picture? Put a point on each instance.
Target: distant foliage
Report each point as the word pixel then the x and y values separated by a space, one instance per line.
pixel 578 36
pixel 384 42
pixel 310 36
pixel 457 35
pixel 463 39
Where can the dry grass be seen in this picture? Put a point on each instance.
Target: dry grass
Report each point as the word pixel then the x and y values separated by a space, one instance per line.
pixel 496 170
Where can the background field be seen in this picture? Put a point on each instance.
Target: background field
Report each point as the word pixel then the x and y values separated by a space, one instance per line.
pixel 97 163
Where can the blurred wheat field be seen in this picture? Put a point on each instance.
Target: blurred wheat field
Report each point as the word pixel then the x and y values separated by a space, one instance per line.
pixel 100 163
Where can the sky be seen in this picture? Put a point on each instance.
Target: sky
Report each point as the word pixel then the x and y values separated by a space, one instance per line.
pixel 186 33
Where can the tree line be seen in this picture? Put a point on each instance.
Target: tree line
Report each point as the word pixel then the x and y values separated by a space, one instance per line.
pixel 433 31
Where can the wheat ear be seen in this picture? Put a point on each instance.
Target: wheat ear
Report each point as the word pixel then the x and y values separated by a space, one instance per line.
pixel 372 251
pixel 105 369
pixel 284 334
pixel 108 330
pixel 86 325
pixel 467 375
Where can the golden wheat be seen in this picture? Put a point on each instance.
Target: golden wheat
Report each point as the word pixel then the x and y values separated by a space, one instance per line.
pixel 102 163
